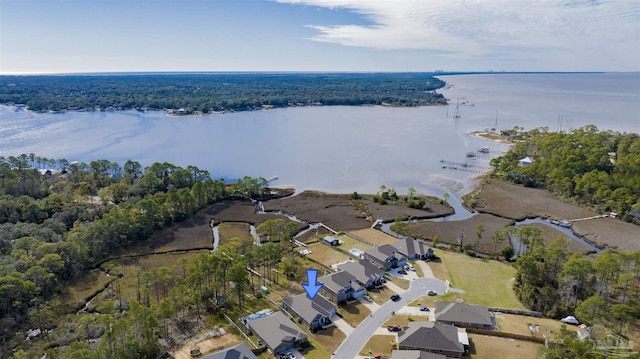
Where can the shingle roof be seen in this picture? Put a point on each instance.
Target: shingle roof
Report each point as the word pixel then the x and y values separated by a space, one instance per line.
pixel 431 336
pixel 275 329
pixel 240 351
pixel 462 313
pixel 337 281
pixel 308 309
pixel 415 354
pixel 362 270
pixel 409 246
pixel 383 252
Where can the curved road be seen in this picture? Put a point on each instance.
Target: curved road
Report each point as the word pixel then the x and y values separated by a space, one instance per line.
pixel 351 346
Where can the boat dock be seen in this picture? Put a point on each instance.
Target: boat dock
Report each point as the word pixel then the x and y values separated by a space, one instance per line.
pixel 468 166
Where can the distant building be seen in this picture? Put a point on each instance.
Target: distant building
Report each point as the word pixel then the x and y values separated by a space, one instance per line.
pixel 526 161
pixel 331 241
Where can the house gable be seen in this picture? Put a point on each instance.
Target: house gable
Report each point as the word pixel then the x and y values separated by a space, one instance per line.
pixel 464 315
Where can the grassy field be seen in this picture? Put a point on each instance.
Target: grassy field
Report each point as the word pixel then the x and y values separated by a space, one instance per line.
pixel 350 243
pixel 403 320
pixel 488 347
pixel 485 282
pixel 326 254
pixel 374 236
pixel 519 324
pixel 379 344
pixel 353 313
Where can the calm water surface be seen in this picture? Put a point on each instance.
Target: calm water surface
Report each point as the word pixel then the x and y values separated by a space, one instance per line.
pixel 337 149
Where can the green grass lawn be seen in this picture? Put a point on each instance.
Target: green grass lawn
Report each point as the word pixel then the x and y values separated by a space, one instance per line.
pixel 485 282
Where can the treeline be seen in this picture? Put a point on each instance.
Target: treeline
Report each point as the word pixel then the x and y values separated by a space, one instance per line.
pixel 600 169
pixel 204 93
pixel 600 291
pixel 58 222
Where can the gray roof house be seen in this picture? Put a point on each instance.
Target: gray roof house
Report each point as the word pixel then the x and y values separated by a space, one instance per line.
pixel 431 337
pixel 412 249
pixel 340 287
pixel 385 257
pixel 366 274
pixel 240 351
pixel 415 354
pixel 278 332
pixel 315 314
pixel 464 315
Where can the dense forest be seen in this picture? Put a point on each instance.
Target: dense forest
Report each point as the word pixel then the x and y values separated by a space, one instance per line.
pixel 599 169
pixel 215 92
pixel 59 220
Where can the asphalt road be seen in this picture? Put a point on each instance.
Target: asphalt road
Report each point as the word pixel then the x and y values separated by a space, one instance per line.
pixel 351 346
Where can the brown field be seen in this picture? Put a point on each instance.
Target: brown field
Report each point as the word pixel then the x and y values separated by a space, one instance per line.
pixel 206 346
pixel 379 344
pixel 389 213
pixel 488 347
pixel 325 254
pixel 353 313
pixel 450 231
pixel 374 236
pixel 519 324
pixel 517 202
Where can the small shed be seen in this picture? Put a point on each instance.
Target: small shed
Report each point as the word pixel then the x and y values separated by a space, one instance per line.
pixel 331 241
pixel 526 161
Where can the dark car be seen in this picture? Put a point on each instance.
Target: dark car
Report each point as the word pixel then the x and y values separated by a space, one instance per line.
pixel 395 297
pixel 393 328
pixel 432 292
pixel 424 309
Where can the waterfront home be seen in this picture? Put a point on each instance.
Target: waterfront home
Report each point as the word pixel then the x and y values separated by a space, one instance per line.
pixel 278 332
pixel 367 275
pixel 412 248
pixel 315 313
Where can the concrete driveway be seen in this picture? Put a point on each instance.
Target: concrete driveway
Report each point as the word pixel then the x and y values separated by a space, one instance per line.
pixel 342 325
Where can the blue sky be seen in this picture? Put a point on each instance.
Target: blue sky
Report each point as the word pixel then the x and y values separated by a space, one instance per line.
pixel 62 36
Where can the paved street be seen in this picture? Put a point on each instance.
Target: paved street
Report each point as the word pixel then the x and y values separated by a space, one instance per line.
pixel 351 346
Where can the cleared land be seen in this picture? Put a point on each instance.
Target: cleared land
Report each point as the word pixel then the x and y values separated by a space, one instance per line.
pixel 325 254
pixel 485 282
pixel 524 325
pixel 487 347
pixel 379 344
pixel 374 236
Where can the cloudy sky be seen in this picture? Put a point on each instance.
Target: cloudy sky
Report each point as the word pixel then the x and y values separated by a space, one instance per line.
pixel 61 36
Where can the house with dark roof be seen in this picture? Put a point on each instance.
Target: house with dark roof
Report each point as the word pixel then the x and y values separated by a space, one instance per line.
pixel 367 275
pixel 385 257
pixel 277 332
pixel 412 248
pixel 432 337
pixel 415 354
pixel 240 351
pixel 340 287
pixel 464 315
pixel 315 313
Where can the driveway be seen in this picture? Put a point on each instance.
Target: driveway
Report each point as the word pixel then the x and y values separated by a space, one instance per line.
pixel 343 325
pixel 351 346
pixel 411 275
pixel 426 269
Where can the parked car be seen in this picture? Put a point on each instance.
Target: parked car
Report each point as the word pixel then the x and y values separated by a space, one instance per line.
pixel 424 309
pixel 432 292
pixel 368 298
pixel 290 355
pixel 394 328
pixel 402 271
pixel 395 297
pixel 411 268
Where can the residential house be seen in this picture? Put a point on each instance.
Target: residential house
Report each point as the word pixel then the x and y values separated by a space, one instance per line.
pixel 526 161
pixel 277 332
pixel 385 257
pixel 432 337
pixel 464 315
pixel 315 313
pixel 340 287
pixel 413 249
pixel 368 275
pixel 415 354
pixel 240 351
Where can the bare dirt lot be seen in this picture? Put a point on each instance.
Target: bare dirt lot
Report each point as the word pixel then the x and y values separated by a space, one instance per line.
pixel 517 202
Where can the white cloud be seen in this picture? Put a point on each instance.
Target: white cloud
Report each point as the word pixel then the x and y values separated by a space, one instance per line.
pixel 599 32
